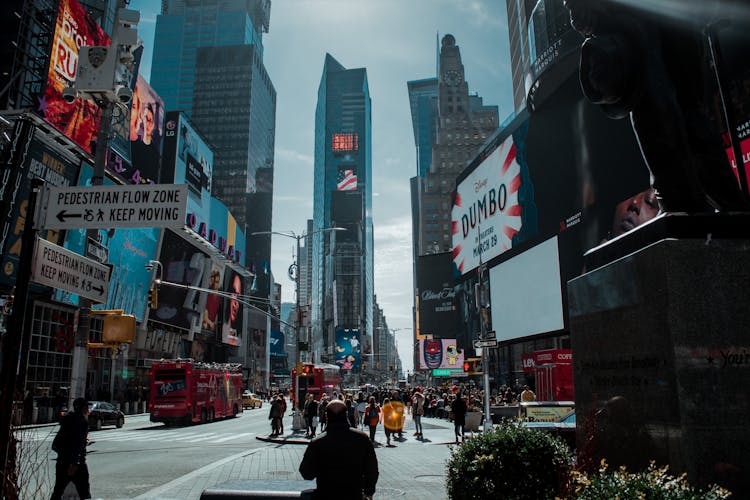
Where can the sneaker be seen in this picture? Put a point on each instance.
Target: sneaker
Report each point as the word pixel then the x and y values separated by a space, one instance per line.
pixel 416 434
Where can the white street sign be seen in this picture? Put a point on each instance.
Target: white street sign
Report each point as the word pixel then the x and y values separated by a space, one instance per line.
pixel 478 344
pixel 102 207
pixel 97 251
pixel 490 335
pixel 60 268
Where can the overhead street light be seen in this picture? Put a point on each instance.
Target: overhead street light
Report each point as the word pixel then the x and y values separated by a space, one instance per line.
pixel 298 315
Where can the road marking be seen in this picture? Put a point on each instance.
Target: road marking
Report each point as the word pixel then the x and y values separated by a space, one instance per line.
pixel 210 435
pixel 234 436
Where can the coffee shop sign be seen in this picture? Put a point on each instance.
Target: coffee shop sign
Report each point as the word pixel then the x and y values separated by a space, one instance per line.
pixel 445 293
pixel 210 235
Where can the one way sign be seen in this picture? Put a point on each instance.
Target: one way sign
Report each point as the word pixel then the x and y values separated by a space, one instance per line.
pixel 103 207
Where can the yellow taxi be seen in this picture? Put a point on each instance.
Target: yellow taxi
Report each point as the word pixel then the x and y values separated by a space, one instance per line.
pixel 251 400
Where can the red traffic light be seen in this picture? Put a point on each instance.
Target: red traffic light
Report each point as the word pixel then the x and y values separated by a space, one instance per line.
pixel 307 369
pixel 467 366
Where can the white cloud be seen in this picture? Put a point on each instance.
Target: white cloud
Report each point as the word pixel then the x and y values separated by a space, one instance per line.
pixel 291 155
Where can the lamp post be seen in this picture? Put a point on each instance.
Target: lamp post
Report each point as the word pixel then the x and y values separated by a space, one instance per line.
pixel 298 315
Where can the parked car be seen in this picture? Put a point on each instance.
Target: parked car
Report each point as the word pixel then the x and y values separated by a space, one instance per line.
pixel 251 400
pixel 103 413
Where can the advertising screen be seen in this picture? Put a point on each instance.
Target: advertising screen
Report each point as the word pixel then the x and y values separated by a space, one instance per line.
pixel 348 349
pixel 78 120
pixel 187 160
pixel 185 264
pixel 212 313
pixel 146 132
pixel 41 161
pixel 277 343
pixel 493 207
pixel 525 293
pixel 438 304
pixel 231 326
pixel 440 353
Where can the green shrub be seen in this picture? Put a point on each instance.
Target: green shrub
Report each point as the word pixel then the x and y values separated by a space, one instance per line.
pixel 651 484
pixel 509 462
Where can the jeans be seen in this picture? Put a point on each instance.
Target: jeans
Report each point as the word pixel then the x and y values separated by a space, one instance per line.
pixel 80 480
pixel 418 423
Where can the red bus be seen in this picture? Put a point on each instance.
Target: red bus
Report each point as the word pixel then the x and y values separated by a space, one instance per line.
pixel 317 380
pixel 185 391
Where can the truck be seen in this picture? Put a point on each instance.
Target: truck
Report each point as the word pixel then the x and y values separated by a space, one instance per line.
pixel 184 391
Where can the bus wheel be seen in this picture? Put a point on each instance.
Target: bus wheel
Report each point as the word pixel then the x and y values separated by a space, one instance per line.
pixel 204 416
pixel 235 411
pixel 211 415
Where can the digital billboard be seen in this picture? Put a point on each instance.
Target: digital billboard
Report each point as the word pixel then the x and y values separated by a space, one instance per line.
pixel 41 161
pixel 348 349
pixel 212 312
pixel 440 353
pixel 437 301
pixel 232 321
pixel 493 205
pixel 146 133
pixel 78 120
pixel 185 264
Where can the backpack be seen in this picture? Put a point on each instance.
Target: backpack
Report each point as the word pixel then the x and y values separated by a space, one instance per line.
pixel 373 413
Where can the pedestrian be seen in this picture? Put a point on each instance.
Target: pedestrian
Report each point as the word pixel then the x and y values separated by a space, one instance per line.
pixel 527 395
pixel 351 413
pixel 322 411
pixel 459 408
pixel 311 415
pixel 283 411
pixel 274 415
pixel 342 461
pixel 361 408
pixel 70 446
pixel 372 414
pixel 418 402
pixel 388 424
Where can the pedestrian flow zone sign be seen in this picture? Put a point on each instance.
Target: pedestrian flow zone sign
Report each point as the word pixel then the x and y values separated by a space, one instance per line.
pixel 58 267
pixel 104 207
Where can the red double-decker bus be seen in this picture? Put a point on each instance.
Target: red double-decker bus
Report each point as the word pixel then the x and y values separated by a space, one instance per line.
pixel 185 391
pixel 317 380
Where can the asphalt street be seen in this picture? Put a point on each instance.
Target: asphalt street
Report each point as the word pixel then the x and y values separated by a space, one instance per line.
pixel 147 461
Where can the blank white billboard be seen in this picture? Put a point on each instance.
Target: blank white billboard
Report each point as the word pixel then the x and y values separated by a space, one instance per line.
pixel 526 297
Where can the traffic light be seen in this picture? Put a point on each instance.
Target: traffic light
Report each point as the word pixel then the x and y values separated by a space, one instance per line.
pixel 467 367
pixel 472 366
pixel 153 298
pixel 307 370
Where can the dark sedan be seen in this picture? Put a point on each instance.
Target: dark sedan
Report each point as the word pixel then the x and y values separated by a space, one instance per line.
pixel 103 413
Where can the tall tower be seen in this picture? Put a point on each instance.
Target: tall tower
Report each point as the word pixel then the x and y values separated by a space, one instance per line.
pixel 208 62
pixel 342 268
pixel 519 13
pixel 463 124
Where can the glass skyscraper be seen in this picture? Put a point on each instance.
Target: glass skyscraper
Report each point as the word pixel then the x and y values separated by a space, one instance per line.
pixel 342 267
pixel 208 62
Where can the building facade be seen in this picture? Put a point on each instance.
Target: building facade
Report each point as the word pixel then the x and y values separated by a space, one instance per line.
pixel 342 261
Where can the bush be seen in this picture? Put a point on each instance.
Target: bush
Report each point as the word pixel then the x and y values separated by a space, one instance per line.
pixel 509 462
pixel 653 484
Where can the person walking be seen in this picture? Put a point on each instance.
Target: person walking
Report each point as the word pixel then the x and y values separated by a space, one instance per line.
pixel 459 409
pixel 372 414
pixel 275 415
pixel 418 402
pixel 351 413
pixel 322 412
pixel 342 461
pixel 70 446
pixel 311 415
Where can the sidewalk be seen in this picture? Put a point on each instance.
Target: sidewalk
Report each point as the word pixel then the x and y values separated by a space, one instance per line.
pixel 413 469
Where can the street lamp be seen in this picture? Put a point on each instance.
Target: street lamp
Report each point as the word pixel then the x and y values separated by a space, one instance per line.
pixel 298 318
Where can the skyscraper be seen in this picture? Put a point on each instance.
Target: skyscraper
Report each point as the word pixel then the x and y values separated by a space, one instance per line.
pixel 208 62
pixel 342 291
pixel 519 12
pixel 463 124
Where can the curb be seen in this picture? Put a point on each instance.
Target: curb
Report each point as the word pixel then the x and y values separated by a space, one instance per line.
pixel 282 440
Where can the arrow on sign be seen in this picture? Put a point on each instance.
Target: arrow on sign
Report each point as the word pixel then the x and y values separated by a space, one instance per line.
pixel 61 216
pixel 99 289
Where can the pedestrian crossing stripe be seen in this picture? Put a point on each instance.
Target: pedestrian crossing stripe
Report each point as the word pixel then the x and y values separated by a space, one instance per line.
pixel 150 435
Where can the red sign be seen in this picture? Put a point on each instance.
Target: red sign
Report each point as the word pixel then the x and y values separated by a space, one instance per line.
pixel 78 120
pixel 344 143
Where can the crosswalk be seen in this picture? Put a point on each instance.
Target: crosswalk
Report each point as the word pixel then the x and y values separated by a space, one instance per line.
pixel 150 435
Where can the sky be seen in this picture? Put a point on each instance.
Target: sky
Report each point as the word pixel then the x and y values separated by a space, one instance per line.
pixel 396 41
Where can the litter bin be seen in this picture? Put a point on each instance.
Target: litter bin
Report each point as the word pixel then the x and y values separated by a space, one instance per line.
pixel 260 489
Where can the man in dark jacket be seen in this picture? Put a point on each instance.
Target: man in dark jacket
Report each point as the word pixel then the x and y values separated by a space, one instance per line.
pixel 342 460
pixel 459 408
pixel 70 445
pixel 275 415
pixel 311 414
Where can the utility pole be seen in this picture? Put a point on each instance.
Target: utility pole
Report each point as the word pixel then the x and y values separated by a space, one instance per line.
pixel 481 303
pixel 101 84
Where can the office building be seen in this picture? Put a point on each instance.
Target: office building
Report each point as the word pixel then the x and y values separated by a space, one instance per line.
pixel 342 270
